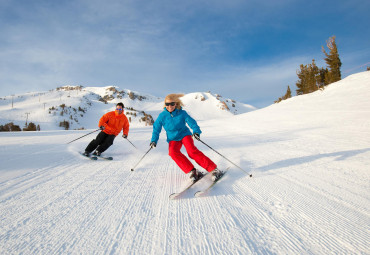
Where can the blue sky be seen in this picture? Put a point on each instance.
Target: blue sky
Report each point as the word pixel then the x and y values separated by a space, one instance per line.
pixel 248 51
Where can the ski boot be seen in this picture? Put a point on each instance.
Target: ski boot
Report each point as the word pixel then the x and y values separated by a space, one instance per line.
pixel 195 175
pixel 97 153
pixel 216 174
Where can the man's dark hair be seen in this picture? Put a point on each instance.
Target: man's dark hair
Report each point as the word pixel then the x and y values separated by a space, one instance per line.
pixel 120 104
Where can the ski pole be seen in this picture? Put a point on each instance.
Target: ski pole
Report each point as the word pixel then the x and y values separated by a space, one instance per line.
pixel 84 135
pixel 132 169
pixel 250 175
pixel 130 142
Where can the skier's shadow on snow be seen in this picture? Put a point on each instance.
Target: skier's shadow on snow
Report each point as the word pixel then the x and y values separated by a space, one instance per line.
pixel 341 155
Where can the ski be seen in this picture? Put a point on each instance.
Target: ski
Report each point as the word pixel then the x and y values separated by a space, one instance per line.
pixel 103 157
pixel 89 157
pixel 202 192
pixel 178 194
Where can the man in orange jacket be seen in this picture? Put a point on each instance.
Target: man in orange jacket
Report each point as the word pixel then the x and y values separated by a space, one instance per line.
pixel 111 125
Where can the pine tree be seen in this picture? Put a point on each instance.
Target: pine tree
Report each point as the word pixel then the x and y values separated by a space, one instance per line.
pixel 288 93
pixel 301 83
pixel 31 127
pixel 307 78
pixel 320 78
pixel 314 73
pixel 333 61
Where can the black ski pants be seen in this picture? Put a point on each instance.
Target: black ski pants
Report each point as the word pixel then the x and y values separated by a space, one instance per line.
pixel 101 143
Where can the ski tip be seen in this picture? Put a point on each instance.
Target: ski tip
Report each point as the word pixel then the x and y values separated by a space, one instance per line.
pixel 198 194
pixel 173 196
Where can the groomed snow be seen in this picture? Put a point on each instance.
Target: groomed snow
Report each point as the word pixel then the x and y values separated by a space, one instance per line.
pixel 310 159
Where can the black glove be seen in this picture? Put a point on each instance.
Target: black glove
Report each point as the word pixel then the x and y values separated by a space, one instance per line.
pixel 153 144
pixel 102 128
pixel 124 136
pixel 196 136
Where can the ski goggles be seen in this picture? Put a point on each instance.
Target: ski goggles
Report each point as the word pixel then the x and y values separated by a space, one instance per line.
pixel 119 109
pixel 172 104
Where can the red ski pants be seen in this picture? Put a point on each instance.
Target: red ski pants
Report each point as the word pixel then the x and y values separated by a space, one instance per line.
pixel 182 161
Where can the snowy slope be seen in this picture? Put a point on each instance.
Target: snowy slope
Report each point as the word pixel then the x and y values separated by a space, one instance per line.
pixel 83 106
pixel 309 155
pixel 204 106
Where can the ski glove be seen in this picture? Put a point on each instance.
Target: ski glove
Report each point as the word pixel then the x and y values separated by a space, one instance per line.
pixel 124 136
pixel 196 136
pixel 102 128
pixel 153 144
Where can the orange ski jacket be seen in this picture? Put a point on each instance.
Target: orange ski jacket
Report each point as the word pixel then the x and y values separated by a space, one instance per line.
pixel 114 123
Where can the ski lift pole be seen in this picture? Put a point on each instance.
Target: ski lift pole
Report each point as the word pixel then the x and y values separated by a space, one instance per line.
pixel 83 136
pixel 132 169
pixel 250 175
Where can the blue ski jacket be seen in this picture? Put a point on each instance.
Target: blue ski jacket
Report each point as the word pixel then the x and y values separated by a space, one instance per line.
pixel 175 125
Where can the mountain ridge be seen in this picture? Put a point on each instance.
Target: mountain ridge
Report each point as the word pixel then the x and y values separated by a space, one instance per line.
pixel 82 106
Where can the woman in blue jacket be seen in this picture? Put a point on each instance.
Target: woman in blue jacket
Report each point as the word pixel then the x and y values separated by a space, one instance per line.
pixel 174 119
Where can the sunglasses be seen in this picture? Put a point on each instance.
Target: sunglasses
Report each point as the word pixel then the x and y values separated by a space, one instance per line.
pixel 119 109
pixel 172 104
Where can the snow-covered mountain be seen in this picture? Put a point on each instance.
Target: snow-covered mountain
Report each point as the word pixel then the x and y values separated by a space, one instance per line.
pixel 83 106
pixel 309 156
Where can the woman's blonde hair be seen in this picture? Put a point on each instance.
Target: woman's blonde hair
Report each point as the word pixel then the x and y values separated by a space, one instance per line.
pixel 174 98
